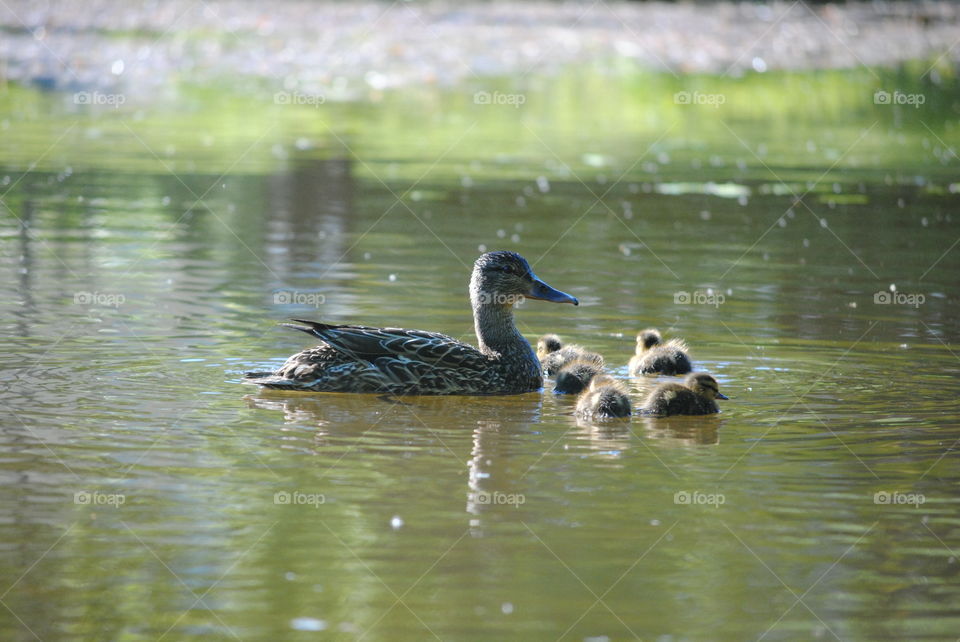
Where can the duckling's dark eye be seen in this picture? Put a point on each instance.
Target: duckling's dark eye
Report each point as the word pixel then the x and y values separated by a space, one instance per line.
pixel 505 268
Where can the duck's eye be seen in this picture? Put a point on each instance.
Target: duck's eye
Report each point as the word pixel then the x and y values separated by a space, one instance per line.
pixel 506 268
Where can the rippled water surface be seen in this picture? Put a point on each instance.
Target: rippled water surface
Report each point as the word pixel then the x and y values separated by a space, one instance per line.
pixel 147 254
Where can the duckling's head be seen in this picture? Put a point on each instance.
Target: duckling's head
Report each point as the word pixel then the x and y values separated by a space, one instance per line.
pixel 505 278
pixel 704 385
pixel 548 343
pixel 647 339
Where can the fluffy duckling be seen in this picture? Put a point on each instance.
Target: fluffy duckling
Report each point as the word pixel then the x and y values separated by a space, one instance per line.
pixel 548 343
pixel 606 398
pixel 696 396
pixel 575 376
pixel 653 355
pixel 556 360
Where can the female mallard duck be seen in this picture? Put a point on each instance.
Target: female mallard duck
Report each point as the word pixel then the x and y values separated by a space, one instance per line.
pixel 653 355
pixel 392 360
pixel 696 396
pixel 575 376
pixel 606 398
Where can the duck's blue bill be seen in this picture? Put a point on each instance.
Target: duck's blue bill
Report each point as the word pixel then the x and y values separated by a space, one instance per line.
pixel 720 395
pixel 544 292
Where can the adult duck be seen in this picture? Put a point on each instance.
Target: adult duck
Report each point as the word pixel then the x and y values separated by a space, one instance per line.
pixel 355 358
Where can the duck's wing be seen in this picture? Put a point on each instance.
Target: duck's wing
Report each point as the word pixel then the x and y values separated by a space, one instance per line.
pixel 402 356
pixel 319 368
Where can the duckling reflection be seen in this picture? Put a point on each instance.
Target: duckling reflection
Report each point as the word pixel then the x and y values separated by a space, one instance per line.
pixel 683 432
pixel 655 356
pixel 696 396
pixel 610 439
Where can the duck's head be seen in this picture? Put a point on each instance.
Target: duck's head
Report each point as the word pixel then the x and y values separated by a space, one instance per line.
pixel 648 338
pixel 505 278
pixel 546 344
pixel 704 385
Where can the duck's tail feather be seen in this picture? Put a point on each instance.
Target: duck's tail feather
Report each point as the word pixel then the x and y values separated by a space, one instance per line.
pixel 310 327
pixel 271 380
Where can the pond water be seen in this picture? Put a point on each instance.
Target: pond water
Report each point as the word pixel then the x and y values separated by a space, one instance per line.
pixel 150 250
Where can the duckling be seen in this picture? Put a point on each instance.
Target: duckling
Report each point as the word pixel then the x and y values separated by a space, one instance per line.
pixel 606 398
pixel 653 355
pixel 575 376
pixel 548 343
pixel 556 360
pixel 696 396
